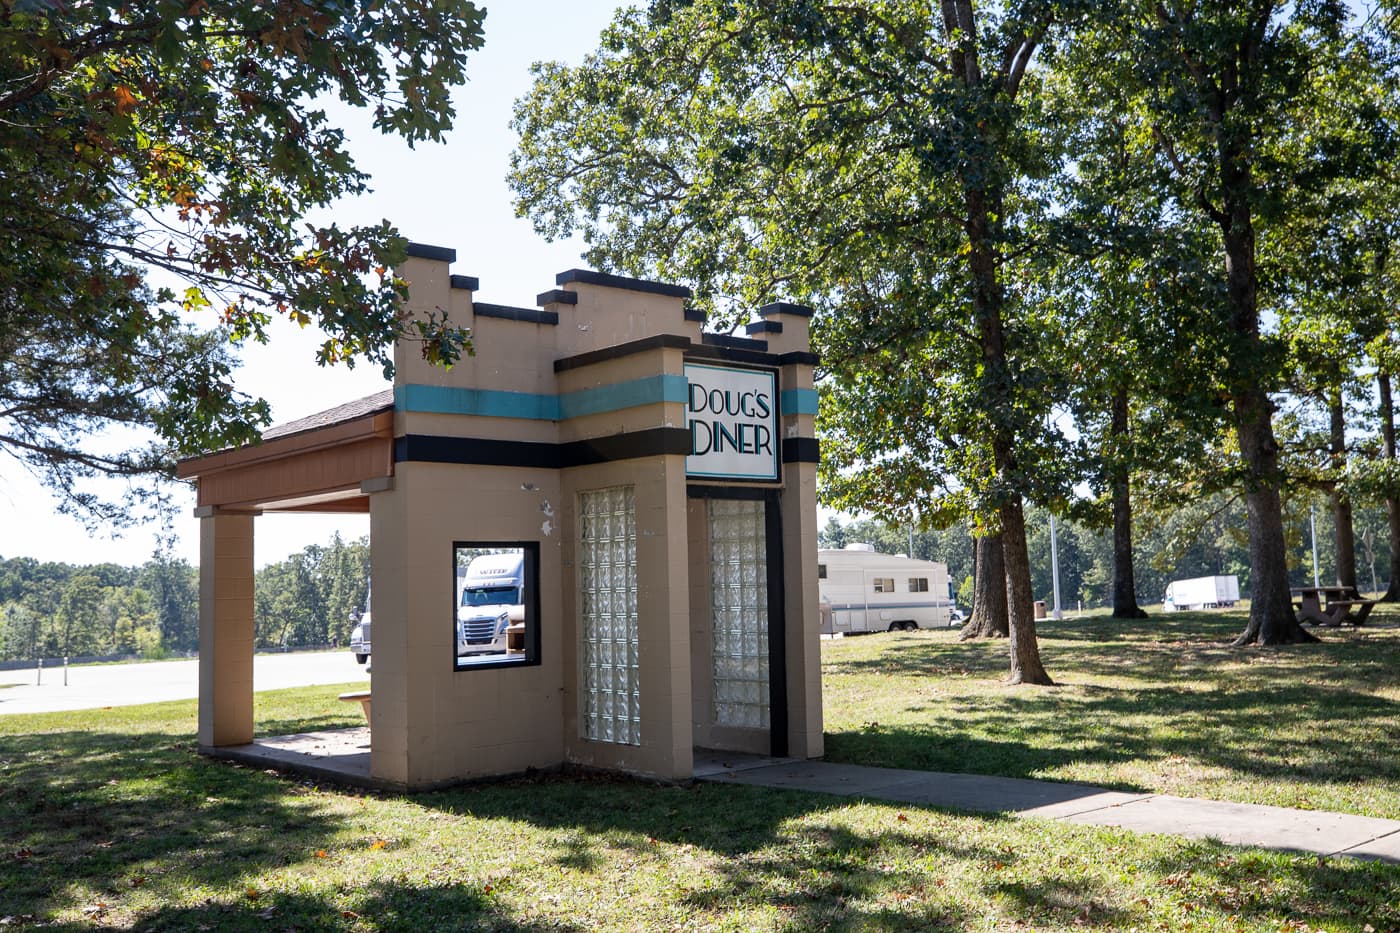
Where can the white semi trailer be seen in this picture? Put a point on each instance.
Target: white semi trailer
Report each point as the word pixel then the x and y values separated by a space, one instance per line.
pixel 865 591
pixel 1219 592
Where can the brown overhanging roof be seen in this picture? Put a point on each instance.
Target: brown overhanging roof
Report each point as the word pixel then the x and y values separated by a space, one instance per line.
pixel 340 414
pixel 316 461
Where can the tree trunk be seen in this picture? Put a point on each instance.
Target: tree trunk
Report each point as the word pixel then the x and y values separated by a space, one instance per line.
pixel 983 201
pixel 1125 604
pixel 989 619
pixel 1026 667
pixel 1343 531
pixel 1392 505
pixel 1271 617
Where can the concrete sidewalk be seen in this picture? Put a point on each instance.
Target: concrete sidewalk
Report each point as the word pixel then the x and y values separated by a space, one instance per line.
pixel 1232 823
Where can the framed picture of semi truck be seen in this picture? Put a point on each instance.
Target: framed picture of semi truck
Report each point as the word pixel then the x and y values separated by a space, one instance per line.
pixel 495 611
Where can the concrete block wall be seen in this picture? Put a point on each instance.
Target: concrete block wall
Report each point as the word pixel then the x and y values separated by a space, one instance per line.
pixel 585 392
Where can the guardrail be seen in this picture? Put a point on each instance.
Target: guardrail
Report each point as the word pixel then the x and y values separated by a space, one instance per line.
pixel 29 664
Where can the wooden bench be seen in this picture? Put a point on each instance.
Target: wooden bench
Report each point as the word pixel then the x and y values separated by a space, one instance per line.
pixel 361 697
pixel 1364 607
pixel 1332 605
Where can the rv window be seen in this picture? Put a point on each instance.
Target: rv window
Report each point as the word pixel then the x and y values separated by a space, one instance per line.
pixel 821 571
pixel 884 585
pixel 495 606
pixel 918 584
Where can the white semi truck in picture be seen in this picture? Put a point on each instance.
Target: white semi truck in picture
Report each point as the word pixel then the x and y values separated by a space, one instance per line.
pixel 359 636
pixel 490 598
pixel 1219 592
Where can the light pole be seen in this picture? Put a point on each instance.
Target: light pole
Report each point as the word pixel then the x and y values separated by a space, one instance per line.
pixel 1312 523
pixel 1054 550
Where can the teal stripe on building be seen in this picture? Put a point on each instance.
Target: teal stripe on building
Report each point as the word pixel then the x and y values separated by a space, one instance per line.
pixel 490 403
pixel 799 402
pixel 441 400
pixel 647 391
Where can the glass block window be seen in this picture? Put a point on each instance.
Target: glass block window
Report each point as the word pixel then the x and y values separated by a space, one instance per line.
pixel 607 559
pixel 884 585
pixel 918 584
pixel 739 608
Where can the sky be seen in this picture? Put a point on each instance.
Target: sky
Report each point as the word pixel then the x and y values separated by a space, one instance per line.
pixel 453 195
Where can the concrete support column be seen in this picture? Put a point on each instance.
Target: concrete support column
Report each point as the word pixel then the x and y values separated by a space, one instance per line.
pixel 802 606
pixel 390 544
pixel 225 628
pixel 802 610
pixel 663 616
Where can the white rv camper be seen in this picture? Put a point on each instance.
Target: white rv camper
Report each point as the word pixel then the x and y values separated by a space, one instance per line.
pixel 864 591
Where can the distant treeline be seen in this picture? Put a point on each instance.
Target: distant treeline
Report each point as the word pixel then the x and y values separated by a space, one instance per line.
pixel 56 609
pixel 313 597
pixel 1203 539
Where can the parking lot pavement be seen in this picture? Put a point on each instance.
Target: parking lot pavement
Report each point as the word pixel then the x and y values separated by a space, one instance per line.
pixel 99 685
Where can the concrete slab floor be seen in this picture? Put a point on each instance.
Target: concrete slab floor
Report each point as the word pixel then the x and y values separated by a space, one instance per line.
pixel 339 755
pixel 708 762
pixel 342 755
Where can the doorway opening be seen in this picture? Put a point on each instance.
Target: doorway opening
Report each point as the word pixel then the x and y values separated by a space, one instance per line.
pixel 738 673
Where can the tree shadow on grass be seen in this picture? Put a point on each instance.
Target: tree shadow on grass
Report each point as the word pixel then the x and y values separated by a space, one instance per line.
pixel 1164 691
pixel 1209 626
pixel 99 813
pixel 1144 649
pixel 383 907
pixel 935 750
pixel 762 848
pixel 300 724
pixel 906 655
pixel 789 851
pixel 90 819
pixel 1356 659
pixel 88 810
pixel 1251 883
pixel 1235 730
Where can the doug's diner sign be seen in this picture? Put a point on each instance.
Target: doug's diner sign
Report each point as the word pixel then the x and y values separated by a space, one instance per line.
pixel 732 415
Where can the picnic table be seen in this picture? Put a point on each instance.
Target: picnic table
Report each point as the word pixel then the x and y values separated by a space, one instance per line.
pixel 1332 605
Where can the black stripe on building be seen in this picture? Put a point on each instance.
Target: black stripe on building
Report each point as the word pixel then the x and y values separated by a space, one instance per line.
pixel 801 450
pixel 429 448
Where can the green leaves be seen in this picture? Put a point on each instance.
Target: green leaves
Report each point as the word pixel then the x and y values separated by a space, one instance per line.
pixel 179 139
pixel 824 153
pixel 1006 215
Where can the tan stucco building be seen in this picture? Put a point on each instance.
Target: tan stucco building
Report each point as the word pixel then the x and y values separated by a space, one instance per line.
pixel 658 484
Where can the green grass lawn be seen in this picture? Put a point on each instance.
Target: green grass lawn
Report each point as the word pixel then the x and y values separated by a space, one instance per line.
pixel 108 819
pixel 1160 704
